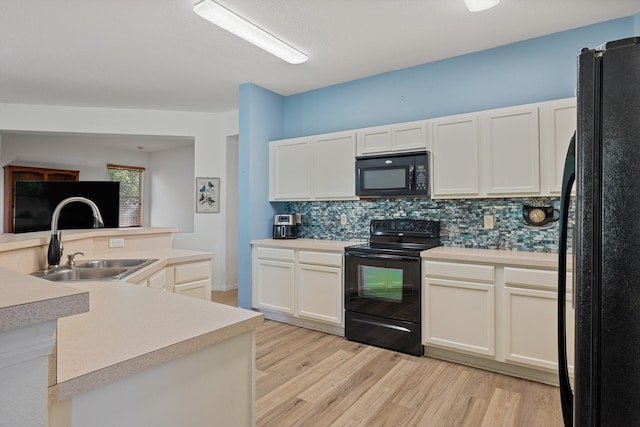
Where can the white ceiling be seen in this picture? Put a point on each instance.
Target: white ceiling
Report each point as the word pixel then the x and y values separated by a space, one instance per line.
pixel 158 54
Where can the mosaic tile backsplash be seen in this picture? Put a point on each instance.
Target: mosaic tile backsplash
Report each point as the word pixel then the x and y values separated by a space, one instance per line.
pixel 461 221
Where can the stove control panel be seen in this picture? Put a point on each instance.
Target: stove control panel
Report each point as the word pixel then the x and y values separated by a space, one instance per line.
pixel 405 226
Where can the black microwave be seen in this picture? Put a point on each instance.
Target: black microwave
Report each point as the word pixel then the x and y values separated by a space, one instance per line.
pixel 389 175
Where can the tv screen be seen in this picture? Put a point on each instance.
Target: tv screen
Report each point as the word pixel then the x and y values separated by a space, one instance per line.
pixel 35 201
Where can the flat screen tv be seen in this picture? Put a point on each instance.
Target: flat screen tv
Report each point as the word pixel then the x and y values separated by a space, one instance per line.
pixel 35 201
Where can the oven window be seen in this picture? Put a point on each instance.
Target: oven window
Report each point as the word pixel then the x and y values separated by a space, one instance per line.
pixel 380 283
pixel 380 179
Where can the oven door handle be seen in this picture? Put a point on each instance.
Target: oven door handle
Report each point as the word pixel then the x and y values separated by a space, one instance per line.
pixel 382 256
pixel 383 325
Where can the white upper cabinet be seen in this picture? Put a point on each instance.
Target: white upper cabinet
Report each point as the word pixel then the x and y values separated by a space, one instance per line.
pixel 410 136
pixel 558 121
pixel 508 152
pixel 511 164
pixel 374 140
pixel 320 167
pixel 333 166
pixel 455 156
pixel 289 169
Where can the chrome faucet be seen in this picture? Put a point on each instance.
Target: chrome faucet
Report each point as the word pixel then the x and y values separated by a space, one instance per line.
pixel 55 244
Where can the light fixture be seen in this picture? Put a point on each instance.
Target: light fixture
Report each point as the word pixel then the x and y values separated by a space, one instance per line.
pixel 235 24
pixel 480 5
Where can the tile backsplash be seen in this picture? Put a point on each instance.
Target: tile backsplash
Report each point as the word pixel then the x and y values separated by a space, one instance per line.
pixel 461 221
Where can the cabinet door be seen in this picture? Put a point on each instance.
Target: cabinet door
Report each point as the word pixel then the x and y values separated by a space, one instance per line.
pixel 455 156
pixel 557 124
pixel 511 163
pixel 160 280
pixel 200 289
pixel 410 136
pixel 274 281
pixel 459 315
pixel 530 334
pixel 374 140
pixel 320 295
pixel 289 170
pixel 333 166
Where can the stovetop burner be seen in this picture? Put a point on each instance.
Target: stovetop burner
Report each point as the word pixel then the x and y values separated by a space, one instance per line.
pixel 406 237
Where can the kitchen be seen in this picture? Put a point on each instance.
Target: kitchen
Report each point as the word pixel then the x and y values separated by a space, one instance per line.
pixel 484 91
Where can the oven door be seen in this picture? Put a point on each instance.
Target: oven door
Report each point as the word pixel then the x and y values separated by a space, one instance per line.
pixel 383 285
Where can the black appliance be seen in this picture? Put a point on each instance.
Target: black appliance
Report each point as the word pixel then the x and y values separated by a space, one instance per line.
pixel 401 174
pixel 383 284
pixel 35 201
pixel 606 241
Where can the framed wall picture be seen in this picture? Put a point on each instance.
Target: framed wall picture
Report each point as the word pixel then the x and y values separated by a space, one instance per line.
pixel 207 195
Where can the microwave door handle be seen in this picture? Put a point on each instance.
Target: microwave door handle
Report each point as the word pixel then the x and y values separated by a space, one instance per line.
pixel 411 174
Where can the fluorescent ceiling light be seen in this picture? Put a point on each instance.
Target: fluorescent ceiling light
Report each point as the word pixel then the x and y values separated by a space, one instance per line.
pixel 480 5
pixel 226 19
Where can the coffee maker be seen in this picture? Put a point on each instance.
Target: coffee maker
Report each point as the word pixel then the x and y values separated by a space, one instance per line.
pixel 286 226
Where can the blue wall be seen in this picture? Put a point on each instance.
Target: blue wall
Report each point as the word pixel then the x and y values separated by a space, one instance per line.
pixel 533 70
pixel 260 120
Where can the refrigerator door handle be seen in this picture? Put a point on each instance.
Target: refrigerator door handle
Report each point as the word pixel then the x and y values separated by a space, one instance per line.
pixel 568 178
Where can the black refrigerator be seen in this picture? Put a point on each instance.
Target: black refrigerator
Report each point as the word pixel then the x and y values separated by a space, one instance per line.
pixel 605 156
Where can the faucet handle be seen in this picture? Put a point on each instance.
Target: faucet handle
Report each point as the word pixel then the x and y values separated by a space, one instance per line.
pixel 70 258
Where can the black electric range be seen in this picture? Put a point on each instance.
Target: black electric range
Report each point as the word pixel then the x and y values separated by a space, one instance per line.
pixel 383 284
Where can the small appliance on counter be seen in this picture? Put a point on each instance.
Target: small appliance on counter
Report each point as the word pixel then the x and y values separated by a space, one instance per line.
pixel 286 226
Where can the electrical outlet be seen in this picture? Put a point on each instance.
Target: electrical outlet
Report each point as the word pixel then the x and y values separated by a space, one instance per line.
pixel 343 219
pixel 488 222
pixel 117 242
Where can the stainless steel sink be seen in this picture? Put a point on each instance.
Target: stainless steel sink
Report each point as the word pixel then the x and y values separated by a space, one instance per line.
pixel 101 269
pixel 115 263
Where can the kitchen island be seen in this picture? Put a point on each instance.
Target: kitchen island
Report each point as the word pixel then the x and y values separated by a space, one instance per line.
pixel 139 356
pixel 144 357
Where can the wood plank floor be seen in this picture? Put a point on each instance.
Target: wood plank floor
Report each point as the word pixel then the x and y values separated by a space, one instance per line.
pixel 309 378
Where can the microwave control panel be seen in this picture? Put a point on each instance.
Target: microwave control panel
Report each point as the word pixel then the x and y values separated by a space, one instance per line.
pixel 421 177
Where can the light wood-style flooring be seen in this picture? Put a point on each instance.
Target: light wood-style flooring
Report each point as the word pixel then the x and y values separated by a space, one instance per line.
pixel 309 378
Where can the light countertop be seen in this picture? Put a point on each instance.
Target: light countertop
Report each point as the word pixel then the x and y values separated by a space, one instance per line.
pixel 496 257
pixel 130 328
pixel 26 300
pixel 310 244
pixel 113 329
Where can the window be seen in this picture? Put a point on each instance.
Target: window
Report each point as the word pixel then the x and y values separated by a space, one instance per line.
pixel 130 179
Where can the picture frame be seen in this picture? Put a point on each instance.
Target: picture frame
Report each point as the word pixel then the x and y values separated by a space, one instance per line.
pixel 207 195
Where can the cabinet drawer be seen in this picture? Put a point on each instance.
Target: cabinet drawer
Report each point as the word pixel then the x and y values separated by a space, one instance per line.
pixel 536 279
pixel 321 258
pixel 275 253
pixel 192 271
pixel 451 270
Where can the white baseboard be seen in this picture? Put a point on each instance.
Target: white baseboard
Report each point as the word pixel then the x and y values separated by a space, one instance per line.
pixel 224 288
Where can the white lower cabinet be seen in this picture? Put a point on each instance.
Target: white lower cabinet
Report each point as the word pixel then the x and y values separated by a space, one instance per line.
pixel 320 295
pixel 159 280
pixel 190 278
pixel 301 284
pixel 530 310
pixel 505 314
pixel 459 313
pixel 274 279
